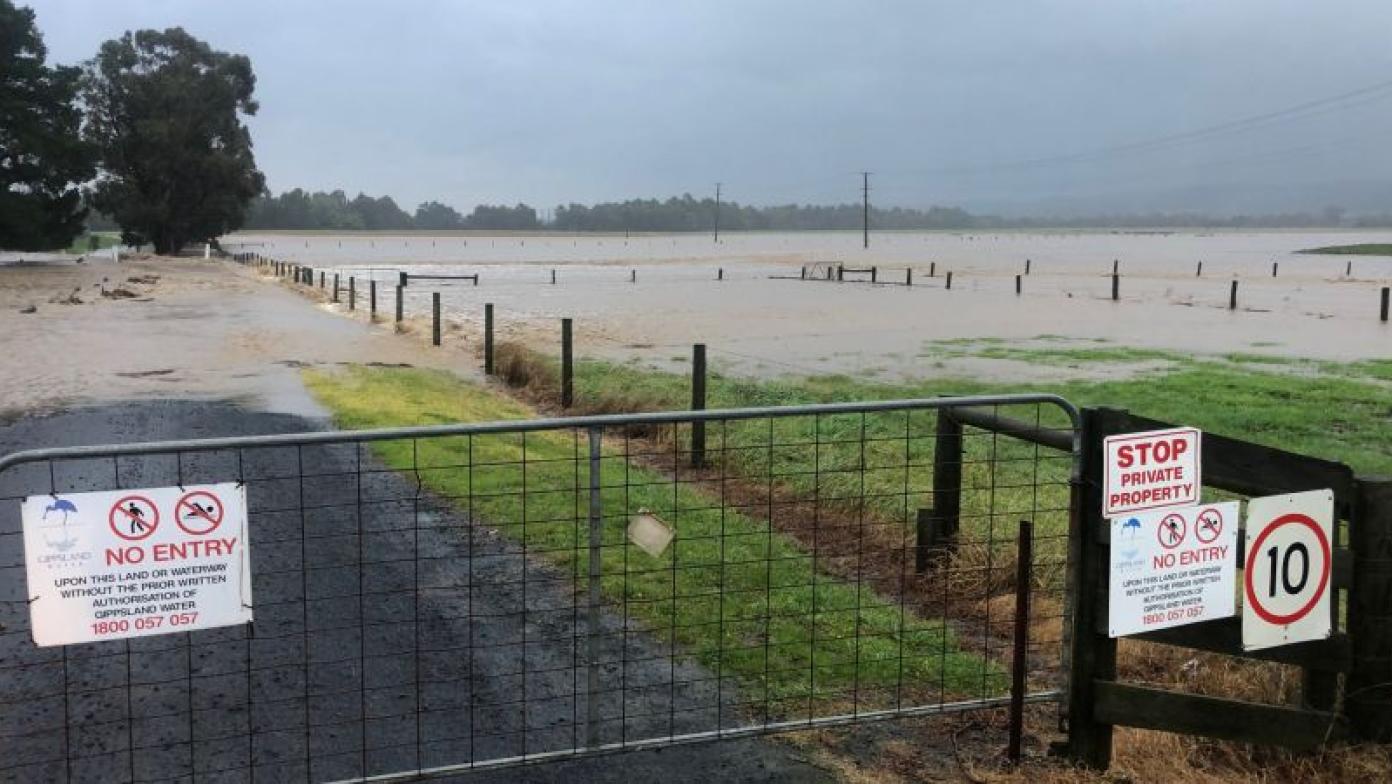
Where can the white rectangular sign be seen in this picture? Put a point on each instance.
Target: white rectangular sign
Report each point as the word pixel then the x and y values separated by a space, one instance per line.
pixel 136 563
pixel 1152 470
pixel 1285 582
pixel 1172 567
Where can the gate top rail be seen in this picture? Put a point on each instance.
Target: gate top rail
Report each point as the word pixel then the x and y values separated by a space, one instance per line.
pixel 531 425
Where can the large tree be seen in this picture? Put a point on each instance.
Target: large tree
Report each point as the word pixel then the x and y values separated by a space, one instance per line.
pixel 42 158
pixel 165 110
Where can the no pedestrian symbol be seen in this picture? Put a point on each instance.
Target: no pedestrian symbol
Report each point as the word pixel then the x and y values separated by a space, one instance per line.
pixel 133 517
pixel 198 513
pixel 1171 530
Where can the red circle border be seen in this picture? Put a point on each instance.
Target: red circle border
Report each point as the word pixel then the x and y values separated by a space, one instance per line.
pixel 1255 549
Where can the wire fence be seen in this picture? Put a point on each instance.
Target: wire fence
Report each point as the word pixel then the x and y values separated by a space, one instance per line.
pixel 470 596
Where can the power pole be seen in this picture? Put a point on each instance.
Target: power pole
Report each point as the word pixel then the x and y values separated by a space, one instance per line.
pixel 717 212
pixel 865 209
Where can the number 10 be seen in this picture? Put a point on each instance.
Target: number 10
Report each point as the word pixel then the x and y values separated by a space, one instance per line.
pixel 1291 586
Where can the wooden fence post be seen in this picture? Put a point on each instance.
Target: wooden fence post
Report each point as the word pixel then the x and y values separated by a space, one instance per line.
pixel 335 293
pixel 567 365
pixel 698 403
pixel 1116 287
pixel 488 338
pixel 1383 311
pixel 1369 684
pixel 400 304
pixel 1232 296
pixel 949 280
pixel 937 527
pixel 1092 653
pixel 352 293
pixel 372 299
pixel 435 318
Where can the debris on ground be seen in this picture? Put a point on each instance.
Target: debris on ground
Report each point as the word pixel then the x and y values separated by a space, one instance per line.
pixel 119 293
pixel 30 309
pixel 69 299
pixel 144 280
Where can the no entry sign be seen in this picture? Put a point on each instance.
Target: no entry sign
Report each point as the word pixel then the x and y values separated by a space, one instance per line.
pixel 1172 567
pixel 1285 590
pixel 136 563
pixel 1151 470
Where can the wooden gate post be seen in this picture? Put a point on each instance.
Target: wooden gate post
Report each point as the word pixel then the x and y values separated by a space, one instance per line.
pixel 1369 685
pixel 936 528
pixel 1092 653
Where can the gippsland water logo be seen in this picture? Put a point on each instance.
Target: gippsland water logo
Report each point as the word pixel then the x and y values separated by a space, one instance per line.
pixel 1130 559
pixel 60 535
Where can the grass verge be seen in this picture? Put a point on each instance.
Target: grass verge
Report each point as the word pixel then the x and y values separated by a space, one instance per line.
pixel 741 597
pixel 1361 249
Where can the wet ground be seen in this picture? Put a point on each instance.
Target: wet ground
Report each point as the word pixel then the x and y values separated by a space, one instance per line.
pixel 649 298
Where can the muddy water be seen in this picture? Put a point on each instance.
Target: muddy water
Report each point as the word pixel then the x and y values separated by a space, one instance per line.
pixel 189 329
pixel 754 322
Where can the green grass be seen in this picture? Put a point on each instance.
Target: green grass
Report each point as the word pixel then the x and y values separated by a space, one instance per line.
pixel 1361 249
pixel 98 240
pixel 826 637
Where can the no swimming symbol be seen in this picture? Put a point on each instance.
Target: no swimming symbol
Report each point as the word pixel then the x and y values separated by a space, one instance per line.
pixel 198 513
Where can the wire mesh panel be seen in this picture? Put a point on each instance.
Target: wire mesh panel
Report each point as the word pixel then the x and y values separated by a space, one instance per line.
pixel 467 596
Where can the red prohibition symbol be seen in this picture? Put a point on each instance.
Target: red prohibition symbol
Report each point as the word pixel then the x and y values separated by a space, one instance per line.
pixel 1171 530
pixel 198 513
pixel 133 518
pixel 1253 552
pixel 1208 525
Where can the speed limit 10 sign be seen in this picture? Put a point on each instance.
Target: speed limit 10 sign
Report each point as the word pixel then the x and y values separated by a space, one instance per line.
pixel 1285 597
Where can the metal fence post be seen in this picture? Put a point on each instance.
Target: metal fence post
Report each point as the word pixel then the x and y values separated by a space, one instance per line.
pixel 698 403
pixel 1024 574
pixel 596 570
pixel 488 338
pixel 567 365
pixel 435 318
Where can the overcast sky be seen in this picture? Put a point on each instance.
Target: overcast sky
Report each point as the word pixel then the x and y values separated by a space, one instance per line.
pixel 946 102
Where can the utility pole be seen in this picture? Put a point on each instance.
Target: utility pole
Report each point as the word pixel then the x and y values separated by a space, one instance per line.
pixel 865 209
pixel 717 212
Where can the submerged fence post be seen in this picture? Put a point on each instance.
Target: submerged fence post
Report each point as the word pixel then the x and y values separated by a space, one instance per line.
pixel 352 293
pixel 908 276
pixel 1198 271
pixel 1116 287
pixel 335 296
pixel 1232 296
pixel 1383 311
pixel 698 403
pixel 321 279
pixel 1024 563
pixel 488 338
pixel 949 280
pixel 553 277
pixel 1027 266
pixel 402 279
pixel 1348 269
pixel 372 299
pixel 1017 284
pixel 719 273
pixel 1275 265
pixel 567 366
pixel 874 274
pixel 633 276
pixel 593 619
pixel 435 318
pixel 400 305
pixel 932 269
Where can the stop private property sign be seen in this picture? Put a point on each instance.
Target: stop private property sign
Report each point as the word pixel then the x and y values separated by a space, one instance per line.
pixel 1151 470
pixel 136 563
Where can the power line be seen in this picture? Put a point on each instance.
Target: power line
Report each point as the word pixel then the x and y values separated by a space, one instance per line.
pixel 1340 102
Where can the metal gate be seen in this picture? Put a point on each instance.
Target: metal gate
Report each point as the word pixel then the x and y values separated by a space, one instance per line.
pixel 437 599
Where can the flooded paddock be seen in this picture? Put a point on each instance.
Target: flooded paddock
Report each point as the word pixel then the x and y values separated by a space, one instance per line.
pixel 650 297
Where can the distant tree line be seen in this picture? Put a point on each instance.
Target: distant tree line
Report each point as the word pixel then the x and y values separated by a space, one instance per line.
pixel 299 209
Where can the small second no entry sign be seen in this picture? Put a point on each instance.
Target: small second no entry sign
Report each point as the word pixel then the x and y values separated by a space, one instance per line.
pixel 1286 576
